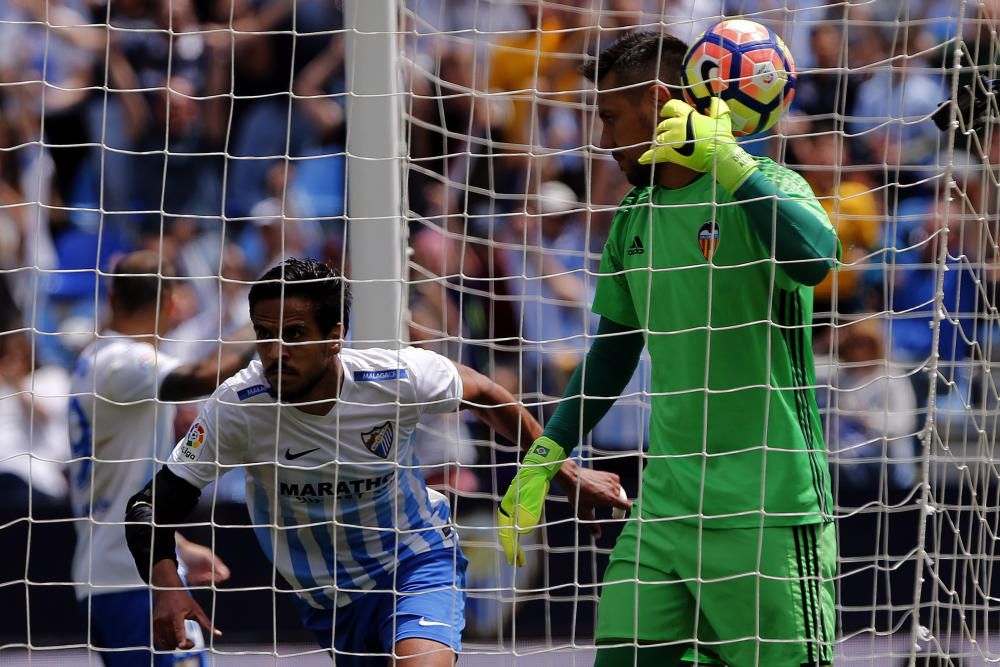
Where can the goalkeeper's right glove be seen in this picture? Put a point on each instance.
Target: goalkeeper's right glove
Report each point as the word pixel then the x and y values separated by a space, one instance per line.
pixel 701 143
pixel 521 507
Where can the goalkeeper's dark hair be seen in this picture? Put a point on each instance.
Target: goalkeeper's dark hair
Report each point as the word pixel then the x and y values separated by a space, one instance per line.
pixel 137 280
pixel 315 281
pixel 639 57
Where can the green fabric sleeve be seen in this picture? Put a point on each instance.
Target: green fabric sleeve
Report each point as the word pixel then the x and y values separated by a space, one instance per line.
pixel 804 241
pixel 613 297
pixel 609 366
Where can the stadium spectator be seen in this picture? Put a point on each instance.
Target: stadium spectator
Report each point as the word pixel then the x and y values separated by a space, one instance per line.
pixel 442 442
pixel 175 173
pixel 320 90
pixel 824 161
pixel 537 65
pixel 21 233
pixel 467 268
pixel 534 73
pixel 278 230
pixel 221 310
pixel 547 260
pixel 870 416
pixel 120 423
pixel 449 136
pixel 830 89
pixel 911 274
pixel 156 52
pixel 792 20
pixel 260 67
pixel 52 47
pixel 430 26
pixel 893 108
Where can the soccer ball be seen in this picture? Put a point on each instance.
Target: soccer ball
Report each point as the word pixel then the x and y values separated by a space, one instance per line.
pixel 746 65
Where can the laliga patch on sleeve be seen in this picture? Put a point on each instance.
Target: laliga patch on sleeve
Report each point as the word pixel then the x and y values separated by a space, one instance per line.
pixel 381 375
pixel 191 448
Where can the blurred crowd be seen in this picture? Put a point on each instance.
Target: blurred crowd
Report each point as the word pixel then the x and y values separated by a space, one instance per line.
pixel 213 131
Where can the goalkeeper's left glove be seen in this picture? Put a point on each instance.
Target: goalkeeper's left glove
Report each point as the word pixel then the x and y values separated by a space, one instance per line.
pixel 521 507
pixel 701 143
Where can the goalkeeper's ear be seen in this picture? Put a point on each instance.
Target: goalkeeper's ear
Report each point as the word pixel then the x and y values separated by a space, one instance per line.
pixel 655 96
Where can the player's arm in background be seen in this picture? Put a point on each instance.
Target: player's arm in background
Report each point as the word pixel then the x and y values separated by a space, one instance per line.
pixel 153 514
pixel 785 215
pixel 438 388
pixel 200 378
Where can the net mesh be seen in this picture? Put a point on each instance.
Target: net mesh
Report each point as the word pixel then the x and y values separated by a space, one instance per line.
pixel 214 134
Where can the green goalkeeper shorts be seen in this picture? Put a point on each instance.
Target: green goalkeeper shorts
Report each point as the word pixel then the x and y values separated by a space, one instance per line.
pixel 749 596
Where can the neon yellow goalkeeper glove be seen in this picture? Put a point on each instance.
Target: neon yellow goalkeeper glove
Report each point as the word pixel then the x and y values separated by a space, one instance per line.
pixel 521 507
pixel 700 142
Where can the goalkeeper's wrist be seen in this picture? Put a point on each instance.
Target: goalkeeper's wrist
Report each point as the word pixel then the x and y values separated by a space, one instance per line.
pixel 546 456
pixel 733 166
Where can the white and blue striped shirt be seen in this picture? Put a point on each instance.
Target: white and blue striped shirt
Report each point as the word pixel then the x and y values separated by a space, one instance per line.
pixel 338 499
pixel 118 432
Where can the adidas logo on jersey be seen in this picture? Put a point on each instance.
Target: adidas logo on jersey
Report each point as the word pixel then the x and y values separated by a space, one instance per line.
pixel 636 247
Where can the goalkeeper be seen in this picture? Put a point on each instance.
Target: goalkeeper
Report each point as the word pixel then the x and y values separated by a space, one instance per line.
pixel 710 262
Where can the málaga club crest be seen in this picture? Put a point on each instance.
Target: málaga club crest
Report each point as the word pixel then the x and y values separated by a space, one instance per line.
pixel 379 439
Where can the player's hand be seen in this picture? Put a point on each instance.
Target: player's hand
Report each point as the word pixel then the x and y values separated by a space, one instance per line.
pixel 203 566
pixel 699 142
pixel 170 610
pixel 587 489
pixel 171 607
pixel 521 507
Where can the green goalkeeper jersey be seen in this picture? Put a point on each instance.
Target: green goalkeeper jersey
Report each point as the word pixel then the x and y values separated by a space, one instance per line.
pixel 735 437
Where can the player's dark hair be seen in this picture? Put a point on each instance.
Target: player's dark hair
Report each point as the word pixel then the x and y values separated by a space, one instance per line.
pixel 638 57
pixel 137 280
pixel 309 279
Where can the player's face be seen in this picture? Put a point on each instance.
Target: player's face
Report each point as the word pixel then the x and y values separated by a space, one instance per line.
pixel 629 120
pixel 300 361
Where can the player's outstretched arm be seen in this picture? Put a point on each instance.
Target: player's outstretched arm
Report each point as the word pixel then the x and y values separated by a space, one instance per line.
pixel 797 229
pixel 150 517
pixel 592 390
pixel 497 408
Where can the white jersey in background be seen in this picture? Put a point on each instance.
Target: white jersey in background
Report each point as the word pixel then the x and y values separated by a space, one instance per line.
pixel 338 499
pixel 117 430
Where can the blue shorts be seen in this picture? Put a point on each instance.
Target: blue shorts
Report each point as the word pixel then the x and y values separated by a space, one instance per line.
pixel 428 603
pixel 122 620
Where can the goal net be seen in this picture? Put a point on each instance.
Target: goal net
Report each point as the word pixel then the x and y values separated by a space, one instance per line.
pixel 447 157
